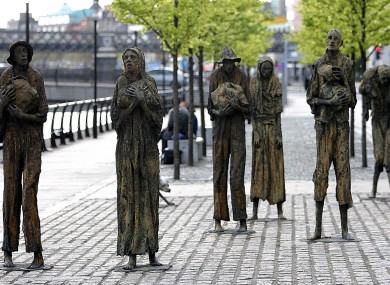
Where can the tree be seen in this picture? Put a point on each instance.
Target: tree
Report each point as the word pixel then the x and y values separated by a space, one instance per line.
pixel 165 19
pixel 197 25
pixel 363 23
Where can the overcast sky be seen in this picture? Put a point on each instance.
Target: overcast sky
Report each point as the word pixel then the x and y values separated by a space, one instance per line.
pixel 10 9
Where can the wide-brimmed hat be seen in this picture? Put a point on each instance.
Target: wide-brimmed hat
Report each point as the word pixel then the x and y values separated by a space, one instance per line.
pixel 14 45
pixel 228 53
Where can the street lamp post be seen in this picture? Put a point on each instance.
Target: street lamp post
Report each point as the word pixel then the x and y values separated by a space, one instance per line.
pixel 94 126
pixel 96 16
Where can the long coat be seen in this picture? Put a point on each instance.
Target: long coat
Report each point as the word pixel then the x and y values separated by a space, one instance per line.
pixel 137 166
pixel 22 159
pixel 267 159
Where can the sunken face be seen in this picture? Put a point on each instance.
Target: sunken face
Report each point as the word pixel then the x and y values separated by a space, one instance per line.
pixel 20 55
pixel 333 41
pixel 132 62
pixel 266 69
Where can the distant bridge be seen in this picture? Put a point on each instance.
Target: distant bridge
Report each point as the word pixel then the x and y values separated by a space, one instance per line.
pixel 81 41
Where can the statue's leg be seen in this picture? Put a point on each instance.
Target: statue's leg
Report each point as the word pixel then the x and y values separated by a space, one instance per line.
pixel 280 211
pixel 318 229
pixel 388 176
pixel 243 227
pixel 37 262
pixel 218 226
pixel 344 222
pixel 31 221
pixel 132 262
pixel 255 209
pixel 377 172
pixel 153 260
pixel 8 259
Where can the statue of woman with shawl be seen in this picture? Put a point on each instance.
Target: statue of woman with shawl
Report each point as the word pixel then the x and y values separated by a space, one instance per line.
pixel 136 114
pixel 267 144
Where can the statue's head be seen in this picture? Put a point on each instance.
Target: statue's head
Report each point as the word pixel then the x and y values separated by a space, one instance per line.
pixel 20 53
pixel 265 66
pixel 334 40
pixel 133 61
pixel 228 59
pixel 384 74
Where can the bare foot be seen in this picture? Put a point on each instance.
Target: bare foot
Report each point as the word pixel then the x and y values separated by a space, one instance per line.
pixel 218 227
pixel 281 217
pixel 315 236
pixel 242 227
pixel 8 259
pixel 37 262
pixel 373 195
pixel 153 260
pixel 132 262
pixel 347 236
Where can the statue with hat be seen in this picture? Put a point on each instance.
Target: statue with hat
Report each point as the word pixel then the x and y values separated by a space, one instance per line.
pixel 330 95
pixel 23 110
pixel 375 86
pixel 137 115
pixel 228 106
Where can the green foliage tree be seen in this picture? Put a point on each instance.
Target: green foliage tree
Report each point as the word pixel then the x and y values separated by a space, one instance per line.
pixel 363 23
pixel 241 25
pixel 197 25
pixel 164 18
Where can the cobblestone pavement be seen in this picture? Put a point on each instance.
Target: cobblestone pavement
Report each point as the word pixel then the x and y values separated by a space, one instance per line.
pixel 79 224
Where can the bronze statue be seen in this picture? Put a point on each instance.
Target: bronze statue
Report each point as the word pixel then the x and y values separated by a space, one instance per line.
pixel 375 86
pixel 137 118
pixel 228 107
pixel 330 95
pixel 267 143
pixel 23 110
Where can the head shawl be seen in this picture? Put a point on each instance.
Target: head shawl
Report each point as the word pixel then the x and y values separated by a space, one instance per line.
pixel 12 48
pixel 228 53
pixel 140 55
pixel 384 71
pixel 370 73
pixel 261 61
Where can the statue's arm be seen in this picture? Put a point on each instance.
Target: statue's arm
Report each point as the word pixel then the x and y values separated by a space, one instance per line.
pixel 40 116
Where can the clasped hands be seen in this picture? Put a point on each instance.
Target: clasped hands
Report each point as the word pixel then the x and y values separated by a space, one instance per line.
pixel 338 74
pixel 138 95
pixel 341 99
pixel 132 97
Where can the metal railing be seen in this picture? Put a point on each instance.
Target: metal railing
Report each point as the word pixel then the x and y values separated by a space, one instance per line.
pixel 75 118
pixel 67 119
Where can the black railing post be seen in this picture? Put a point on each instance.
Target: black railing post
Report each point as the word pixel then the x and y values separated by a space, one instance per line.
pixel 107 112
pixel 62 134
pixel 79 134
pixel 71 136
pixel 100 115
pixel 86 119
pixel 53 135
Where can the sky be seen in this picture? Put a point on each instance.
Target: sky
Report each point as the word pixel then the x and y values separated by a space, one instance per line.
pixel 10 9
